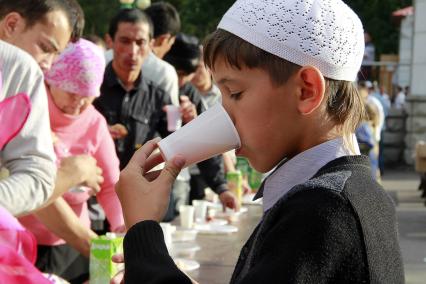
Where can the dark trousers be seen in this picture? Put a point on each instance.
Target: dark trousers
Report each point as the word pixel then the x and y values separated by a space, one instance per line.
pixel 63 261
pixel 198 185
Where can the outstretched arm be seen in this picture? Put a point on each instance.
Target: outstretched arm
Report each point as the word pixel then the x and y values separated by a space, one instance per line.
pixel 60 219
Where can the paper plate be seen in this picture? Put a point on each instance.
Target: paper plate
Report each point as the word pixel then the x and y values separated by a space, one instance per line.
pixel 230 214
pixel 186 264
pixel 248 200
pixel 183 248
pixel 218 222
pixel 184 235
pixel 215 229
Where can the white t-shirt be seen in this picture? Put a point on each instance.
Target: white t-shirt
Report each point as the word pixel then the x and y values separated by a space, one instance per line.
pixel 29 157
pixel 400 100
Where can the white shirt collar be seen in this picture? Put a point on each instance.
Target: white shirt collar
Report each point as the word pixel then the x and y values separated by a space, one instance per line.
pixel 301 168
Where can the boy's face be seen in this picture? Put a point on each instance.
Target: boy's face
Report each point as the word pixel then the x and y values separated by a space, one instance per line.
pixel 201 76
pixel 69 103
pixel 131 45
pixel 44 40
pixel 266 116
pixel 184 77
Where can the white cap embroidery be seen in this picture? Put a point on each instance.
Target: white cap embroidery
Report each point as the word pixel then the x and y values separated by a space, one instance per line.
pixel 326 34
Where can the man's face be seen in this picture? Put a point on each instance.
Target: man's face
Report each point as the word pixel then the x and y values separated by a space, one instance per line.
pixel 45 39
pixel 131 46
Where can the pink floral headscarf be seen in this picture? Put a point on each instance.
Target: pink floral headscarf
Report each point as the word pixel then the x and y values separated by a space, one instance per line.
pixel 79 69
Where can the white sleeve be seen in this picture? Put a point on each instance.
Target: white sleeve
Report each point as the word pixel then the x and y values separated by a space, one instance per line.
pixel 171 85
pixel 29 157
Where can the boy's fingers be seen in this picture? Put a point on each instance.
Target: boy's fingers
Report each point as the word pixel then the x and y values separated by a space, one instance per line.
pixel 172 169
pixel 141 155
pixel 118 258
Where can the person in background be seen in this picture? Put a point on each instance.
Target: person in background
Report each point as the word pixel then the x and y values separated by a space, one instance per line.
pixel 97 40
pixel 32 32
pixel 64 239
pixel 166 23
pixel 185 57
pixel 295 106
pixel 384 99
pixel 375 120
pixel 399 102
pixel 366 72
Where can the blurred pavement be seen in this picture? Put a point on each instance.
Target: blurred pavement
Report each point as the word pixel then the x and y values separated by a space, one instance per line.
pixel 402 185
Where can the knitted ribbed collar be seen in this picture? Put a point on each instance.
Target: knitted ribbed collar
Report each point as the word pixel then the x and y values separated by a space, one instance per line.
pixel 299 169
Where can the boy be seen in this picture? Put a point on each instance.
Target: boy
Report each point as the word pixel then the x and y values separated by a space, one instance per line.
pixel 285 70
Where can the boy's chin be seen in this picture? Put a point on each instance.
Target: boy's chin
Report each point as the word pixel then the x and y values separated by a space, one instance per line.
pixel 260 166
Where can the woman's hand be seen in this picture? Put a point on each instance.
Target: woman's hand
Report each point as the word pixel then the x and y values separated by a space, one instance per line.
pixel 145 195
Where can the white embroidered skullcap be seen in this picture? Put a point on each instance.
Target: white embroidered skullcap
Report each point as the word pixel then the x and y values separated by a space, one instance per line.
pixel 326 34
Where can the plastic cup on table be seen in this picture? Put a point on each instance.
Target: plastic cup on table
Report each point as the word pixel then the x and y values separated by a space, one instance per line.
pixel 208 135
pixel 186 213
pixel 167 232
pixel 174 118
pixel 200 210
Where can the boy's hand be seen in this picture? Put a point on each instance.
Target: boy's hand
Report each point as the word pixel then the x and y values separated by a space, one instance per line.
pixel 187 109
pixel 119 276
pixel 145 195
pixel 229 200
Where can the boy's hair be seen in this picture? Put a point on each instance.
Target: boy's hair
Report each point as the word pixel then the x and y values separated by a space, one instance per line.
pixel 79 24
pixel 165 18
pixel 280 36
pixel 34 11
pixel 344 104
pixel 133 16
pixel 185 54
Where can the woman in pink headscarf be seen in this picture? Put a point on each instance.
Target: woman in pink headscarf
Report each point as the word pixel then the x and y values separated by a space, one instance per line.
pixel 63 228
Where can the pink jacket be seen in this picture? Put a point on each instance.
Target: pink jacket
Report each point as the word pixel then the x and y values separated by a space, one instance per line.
pixel 86 133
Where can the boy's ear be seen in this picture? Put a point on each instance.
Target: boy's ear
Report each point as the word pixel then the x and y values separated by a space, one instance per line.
pixel 12 23
pixel 312 85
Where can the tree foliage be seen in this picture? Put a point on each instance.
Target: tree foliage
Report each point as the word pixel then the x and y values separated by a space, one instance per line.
pixel 200 17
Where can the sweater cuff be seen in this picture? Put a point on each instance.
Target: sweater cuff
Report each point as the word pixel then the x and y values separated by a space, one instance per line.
pixel 221 188
pixel 149 239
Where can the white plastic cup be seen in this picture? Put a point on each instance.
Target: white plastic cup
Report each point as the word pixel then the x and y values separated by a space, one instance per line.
pixel 167 232
pixel 200 210
pixel 174 118
pixel 186 213
pixel 210 134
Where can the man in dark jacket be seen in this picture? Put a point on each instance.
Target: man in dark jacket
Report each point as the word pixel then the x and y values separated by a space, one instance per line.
pixel 133 105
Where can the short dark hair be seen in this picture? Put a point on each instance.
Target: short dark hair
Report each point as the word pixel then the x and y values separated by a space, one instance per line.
pixel 165 18
pixel 79 23
pixel 185 54
pixel 34 11
pixel 133 16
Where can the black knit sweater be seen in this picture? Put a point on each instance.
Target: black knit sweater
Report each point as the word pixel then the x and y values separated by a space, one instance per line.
pixel 338 227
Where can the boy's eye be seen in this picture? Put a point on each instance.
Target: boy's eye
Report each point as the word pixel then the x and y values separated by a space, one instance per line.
pixel 235 96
